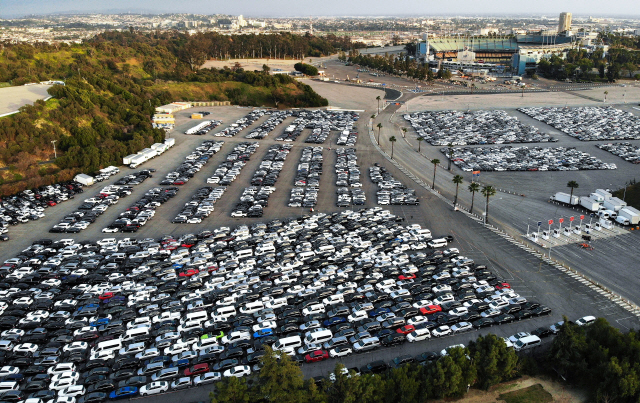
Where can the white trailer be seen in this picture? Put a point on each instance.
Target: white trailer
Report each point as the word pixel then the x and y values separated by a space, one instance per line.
pixel 127 160
pixel 604 193
pixel 589 203
pixel 138 159
pixel 160 148
pixel 630 213
pixel 84 179
pixel 614 204
pixel 170 142
pixel 195 129
pixel 565 198
pixel 149 152
pixel 597 197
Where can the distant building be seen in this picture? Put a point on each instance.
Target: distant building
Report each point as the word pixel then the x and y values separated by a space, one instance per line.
pixel 565 22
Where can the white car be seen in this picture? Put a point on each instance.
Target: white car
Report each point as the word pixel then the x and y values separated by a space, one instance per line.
pixel 154 388
pixel 356 316
pixel 341 351
pixel 416 320
pixel 238 371
pixel 207 377
pixel 461 327
pixel 110 229
pixel 62 384
pixel 72 391
pixel 441 331
pixel 238 213
pixel 8 370
pixel 459 311
pixel 518 336
pixel 66 375
pixel 585 320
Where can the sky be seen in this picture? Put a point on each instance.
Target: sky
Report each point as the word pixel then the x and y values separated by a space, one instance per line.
pixel 301 8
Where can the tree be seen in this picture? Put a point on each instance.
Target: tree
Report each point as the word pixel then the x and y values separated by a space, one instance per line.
pixel 567 350
pixel 231 390
pixel 495 362
pixel 473 188
pixel 450 155
pixel 605 95
pixel 457 180
pixel 392 140
pixel 572 185
pixel 266 69
pixel 487 191
pixel 420 140
pixel 280 379
pixel 435 163
pixel 378 99
pixel 404 132
pixel 379 126
pixel 346 387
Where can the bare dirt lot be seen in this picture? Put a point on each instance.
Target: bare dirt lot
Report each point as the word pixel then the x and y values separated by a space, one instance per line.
pixel 13 98
pixel 252 64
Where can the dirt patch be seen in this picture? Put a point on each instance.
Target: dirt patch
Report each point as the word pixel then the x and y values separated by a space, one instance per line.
pixel 252 64
pixel 528 388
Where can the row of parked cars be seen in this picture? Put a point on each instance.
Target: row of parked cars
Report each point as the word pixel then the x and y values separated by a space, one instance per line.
pixel 112 318
pixel 200 206
pixel 590 122
pixel 139 213
pixel 391 190
pixel 348 185
pixel 307 179
pixel 230 168
pixel 322 122
pixel 519 341
pixel 192 163
pixel 241 123
pixel 269 125
pixel 522 158
pixel 441 128
pixel 624 150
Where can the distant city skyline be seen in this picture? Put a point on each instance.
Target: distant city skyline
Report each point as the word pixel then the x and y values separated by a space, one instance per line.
pixel 305 8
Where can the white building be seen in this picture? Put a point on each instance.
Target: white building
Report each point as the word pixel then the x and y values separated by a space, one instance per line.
pixel 565 22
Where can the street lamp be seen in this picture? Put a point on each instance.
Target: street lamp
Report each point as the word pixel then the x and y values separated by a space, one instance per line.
pixel 484 215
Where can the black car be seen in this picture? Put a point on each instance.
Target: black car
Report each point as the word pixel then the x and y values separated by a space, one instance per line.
pixel 542 332
pixel 94 397
pixel 541 310
pixel 393 340
pixel 102 386
pixel 427 356
pixel 375 367
pixel 483 322
pixel 225 364
pixel 504 318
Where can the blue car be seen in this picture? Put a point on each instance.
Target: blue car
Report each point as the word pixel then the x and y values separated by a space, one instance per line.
pixel 334 321
pixel 378 311
pixel 263 333
pixel 115 298
pixel 123 393
pixel 100 322
pixel 183 363
pixel 87 307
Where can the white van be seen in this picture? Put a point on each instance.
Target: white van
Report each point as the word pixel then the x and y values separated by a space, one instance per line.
pixel 419 335
pixel 225 311
pixel 313 308
pixel 133 348
pixel 110 345
pixel 306 255
pixel 527 342
pixel 288 343
pixel 244 253
pixel 252 307
pixel 318 336
pixel 204 343
pixel 7 386
pixel 133 333
pixel 198 316
pixel 437 243
pixel 326 249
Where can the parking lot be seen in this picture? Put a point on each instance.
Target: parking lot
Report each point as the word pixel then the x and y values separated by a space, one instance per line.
pixel 626 151
pixel 526 275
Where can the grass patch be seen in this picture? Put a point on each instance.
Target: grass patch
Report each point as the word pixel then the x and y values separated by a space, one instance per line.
pixel 532 394
pixel 3 85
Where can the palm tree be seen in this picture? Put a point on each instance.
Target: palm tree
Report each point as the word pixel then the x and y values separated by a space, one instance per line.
pixel 420 140
pixel 392 140
pixel 473 188
pixel 379 126
pixel 378 99
pixel 487 192
pixel 373 116
pixel 450 153
pixel 404 132
pixel 572 185
pixel 457 180
pixel 605 95
pixel 435 163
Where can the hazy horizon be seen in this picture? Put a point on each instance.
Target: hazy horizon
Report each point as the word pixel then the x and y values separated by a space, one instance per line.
pixel 329 8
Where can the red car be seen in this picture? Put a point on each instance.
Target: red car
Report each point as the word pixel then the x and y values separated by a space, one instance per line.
pixel 316 356
pixel 409 276
pixel 406 329
pixel 503 285
pixel 188 273
pixel 197 369
pixel 178 183
pixel 430 309
pixel 106 295
pixel 51 203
